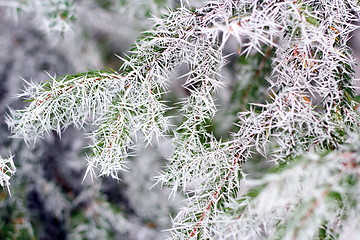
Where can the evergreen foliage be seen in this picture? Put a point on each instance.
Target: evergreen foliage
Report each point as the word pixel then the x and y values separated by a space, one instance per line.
pixel 305 123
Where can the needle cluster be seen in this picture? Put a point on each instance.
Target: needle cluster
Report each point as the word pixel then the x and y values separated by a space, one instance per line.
pixel 7 169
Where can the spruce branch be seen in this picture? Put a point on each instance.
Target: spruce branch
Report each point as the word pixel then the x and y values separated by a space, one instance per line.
pixel 298 127
pixel 73 99
pixel 313 197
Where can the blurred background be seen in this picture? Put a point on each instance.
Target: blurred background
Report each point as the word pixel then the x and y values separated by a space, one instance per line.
pixel 49 200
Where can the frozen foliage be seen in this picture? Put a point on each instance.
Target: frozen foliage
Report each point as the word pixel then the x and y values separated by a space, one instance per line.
pixel 316 196
pixel 7 169
pixel 70 100
pixel 309 108
pixel 47 192
pixel 53 15
pixel 58 16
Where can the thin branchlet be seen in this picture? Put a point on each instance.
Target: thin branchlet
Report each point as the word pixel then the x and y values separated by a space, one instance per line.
pixel 7 170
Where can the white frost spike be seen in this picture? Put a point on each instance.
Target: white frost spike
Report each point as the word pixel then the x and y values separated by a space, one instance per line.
pixel 7 170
